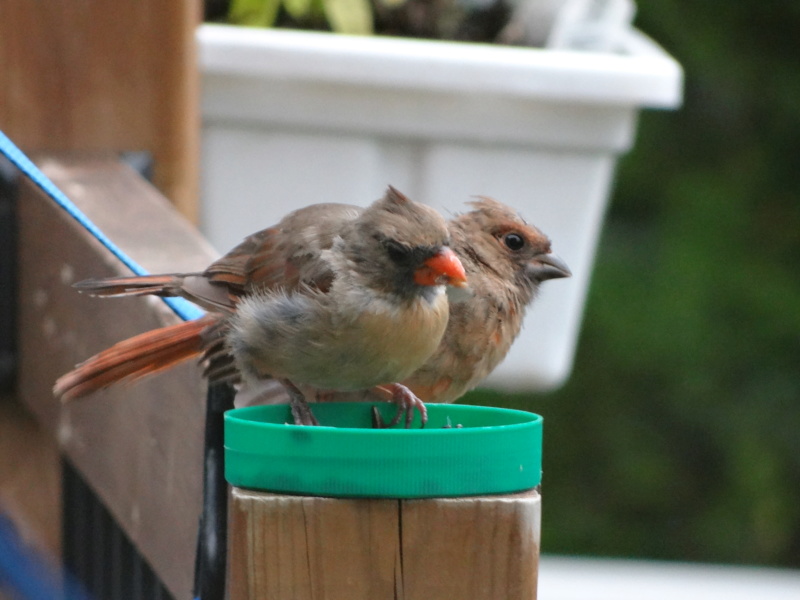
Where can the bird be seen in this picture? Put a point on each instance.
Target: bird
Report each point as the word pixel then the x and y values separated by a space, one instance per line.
pixel 506 260
pixel 333 298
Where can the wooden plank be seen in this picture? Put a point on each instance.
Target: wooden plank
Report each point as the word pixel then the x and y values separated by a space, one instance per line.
pixel 480 548
pixel 30 479
pixel 105 75
pixel 138 446
pixel 309 548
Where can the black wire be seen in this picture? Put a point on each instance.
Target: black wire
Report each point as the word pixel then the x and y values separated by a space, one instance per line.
pixel 212 536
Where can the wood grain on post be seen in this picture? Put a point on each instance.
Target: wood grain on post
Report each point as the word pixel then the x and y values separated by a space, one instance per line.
pixel 312 548
pixel 105 75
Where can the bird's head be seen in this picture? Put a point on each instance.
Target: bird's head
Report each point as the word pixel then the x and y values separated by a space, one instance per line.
pixel 405 247
pixel 494 237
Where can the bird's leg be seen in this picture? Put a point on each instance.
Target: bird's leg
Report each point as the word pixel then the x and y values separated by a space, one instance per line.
pixel 406 402
pixel 301 411
pixel 377 419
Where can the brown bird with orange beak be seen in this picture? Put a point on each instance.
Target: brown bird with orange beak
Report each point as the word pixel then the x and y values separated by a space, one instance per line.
pixel 334 298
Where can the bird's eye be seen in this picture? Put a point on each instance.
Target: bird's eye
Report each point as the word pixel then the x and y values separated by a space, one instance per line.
pixel 397 251
pixel 513 241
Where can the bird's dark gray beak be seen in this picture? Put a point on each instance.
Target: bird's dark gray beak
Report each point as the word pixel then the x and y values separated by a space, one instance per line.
pixel 547 266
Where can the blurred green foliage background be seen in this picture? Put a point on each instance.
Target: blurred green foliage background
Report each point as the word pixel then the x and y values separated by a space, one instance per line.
pixel 678 434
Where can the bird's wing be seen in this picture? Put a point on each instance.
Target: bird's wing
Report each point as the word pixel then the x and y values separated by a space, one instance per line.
pixel 288 256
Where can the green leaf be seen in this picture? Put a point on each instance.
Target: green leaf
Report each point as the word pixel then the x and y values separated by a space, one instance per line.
pixel 318 10
pixel 253 13
pixel 298 9
pixel 349 16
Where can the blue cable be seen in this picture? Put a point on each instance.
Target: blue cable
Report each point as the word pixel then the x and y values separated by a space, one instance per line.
pixel 183 308
pixel 22 571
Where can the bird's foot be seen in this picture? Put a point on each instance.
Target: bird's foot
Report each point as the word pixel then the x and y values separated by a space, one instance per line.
pixel 407 402
pixel 301 411
pixel 377 419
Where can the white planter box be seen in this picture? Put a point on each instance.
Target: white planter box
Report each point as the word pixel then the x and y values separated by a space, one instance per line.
pixel 292 118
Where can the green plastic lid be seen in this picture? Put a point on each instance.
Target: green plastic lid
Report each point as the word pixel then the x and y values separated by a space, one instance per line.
pixel 463 451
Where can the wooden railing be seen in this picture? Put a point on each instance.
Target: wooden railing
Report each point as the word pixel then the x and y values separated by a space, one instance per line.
pixel 139 447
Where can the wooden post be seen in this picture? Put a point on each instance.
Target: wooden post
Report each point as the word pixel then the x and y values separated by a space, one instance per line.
pixel 310 548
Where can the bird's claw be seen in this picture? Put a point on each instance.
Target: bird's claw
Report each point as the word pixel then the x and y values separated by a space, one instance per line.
pixel 407 402
pixel 301 411
pixel 377 419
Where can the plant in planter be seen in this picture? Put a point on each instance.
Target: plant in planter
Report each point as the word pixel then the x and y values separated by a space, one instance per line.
pixel 436 19
pixel 526 22
pixel 292 117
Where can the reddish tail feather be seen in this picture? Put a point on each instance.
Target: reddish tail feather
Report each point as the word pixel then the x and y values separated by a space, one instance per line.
pixel 141 355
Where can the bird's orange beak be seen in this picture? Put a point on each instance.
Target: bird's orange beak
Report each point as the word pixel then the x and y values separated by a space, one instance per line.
pixel 443 268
